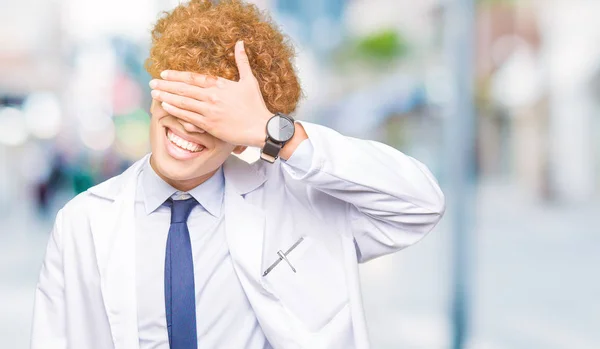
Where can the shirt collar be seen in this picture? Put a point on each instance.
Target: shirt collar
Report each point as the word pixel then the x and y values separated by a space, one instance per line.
pixel 156 191
pixel 210 193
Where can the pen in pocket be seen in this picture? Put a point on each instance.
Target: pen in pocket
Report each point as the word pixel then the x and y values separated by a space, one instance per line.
pixel 283 257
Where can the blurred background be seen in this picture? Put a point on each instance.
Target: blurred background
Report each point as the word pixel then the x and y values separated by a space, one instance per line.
pixel 500 98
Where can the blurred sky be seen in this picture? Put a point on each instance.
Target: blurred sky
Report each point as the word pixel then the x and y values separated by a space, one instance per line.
pixel 74 106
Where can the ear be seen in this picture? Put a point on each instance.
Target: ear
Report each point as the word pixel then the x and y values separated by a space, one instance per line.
pixel 239 149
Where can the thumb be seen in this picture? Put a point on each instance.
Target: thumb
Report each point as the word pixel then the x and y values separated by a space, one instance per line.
pixel 241 58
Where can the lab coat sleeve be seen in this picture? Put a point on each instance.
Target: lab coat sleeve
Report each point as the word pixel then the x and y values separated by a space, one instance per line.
pixel 49 327
pixel 392 199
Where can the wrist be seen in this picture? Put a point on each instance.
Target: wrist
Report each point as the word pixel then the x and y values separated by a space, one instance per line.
pixel 291 145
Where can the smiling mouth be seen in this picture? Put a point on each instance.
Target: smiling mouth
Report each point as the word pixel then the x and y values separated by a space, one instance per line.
pixel 183 144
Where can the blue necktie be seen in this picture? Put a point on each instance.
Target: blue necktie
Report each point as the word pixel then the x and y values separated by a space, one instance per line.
pixel 180 294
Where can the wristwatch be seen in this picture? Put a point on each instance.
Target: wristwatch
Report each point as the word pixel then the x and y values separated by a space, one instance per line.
pixel 280 129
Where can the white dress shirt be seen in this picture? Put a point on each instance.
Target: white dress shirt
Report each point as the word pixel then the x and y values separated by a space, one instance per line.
pixel 224 316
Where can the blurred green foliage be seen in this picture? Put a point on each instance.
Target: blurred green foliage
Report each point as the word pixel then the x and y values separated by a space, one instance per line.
pixel 376 49
pixel 383 45
pixel 387 44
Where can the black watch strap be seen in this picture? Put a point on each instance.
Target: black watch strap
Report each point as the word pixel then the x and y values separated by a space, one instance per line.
pixel 270 151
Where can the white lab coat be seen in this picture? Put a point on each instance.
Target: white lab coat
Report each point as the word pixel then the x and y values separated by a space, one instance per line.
pixel 359 200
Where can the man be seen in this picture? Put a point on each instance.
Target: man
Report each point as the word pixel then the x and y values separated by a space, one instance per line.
pixel 194 248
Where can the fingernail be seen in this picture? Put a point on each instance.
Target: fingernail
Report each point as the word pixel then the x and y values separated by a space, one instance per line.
pixel 164 74
pixel 153 83
pixel 165 105
pixel 240 45
pixel 154 93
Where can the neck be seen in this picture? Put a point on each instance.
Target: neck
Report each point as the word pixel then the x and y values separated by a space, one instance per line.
pixel 183 185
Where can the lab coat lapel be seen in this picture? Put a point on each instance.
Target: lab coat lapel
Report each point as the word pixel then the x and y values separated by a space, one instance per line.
pixel 244 222
pixel 113 231
pixel 244 229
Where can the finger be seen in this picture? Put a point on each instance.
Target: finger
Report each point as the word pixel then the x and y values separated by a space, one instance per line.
pixel 187 116
pixel 241 59
pixel 181 89
pixel 182 102
pixel 191 78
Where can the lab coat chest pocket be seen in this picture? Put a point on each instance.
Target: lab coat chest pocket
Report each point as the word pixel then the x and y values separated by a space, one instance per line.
pixel 317 291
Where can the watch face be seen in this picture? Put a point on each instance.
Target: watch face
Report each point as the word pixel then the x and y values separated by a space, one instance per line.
pixel 280 129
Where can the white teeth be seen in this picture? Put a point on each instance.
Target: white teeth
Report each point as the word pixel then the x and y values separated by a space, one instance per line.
pixel 182 143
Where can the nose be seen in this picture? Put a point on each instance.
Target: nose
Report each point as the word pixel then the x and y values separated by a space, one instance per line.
pixel 191 128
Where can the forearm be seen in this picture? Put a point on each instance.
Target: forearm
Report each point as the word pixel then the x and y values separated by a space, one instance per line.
pixel 367 174
pixel 393 199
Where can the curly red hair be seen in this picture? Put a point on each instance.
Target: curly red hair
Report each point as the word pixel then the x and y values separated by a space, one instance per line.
pixel 200 36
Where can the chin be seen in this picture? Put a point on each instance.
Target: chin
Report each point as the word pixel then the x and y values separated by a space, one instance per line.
pixel 175 174
pixel 177 170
